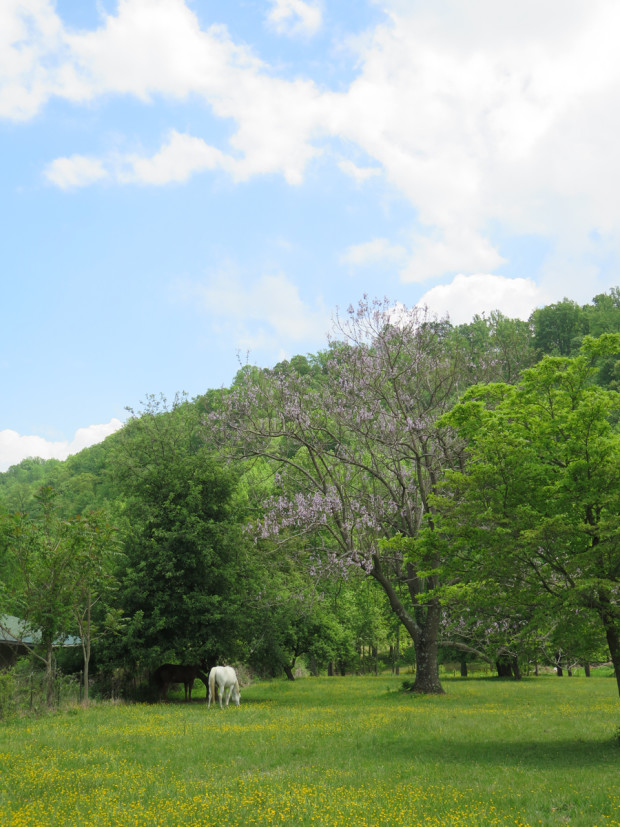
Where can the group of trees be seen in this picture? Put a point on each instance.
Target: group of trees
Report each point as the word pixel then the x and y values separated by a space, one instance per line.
pixel 456 483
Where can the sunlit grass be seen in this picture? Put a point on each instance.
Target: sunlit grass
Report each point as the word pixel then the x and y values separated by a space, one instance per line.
pixel 326 751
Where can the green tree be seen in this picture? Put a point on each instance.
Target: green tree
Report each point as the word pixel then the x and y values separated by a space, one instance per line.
pixel 41 551
pixel 559 328
pixel 183 572
pixel 498 347
pixel 95 550
pixel 537 507
pixel 604 313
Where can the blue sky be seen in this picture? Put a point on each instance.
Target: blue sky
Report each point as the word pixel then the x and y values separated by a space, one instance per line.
pixel 186 182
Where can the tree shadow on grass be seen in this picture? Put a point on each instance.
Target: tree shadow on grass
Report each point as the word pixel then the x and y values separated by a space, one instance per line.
pixel 537 754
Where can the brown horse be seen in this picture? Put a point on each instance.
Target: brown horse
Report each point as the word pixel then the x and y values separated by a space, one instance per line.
pixel 170 673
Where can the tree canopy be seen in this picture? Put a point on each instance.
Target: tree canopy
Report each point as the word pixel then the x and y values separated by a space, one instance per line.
pixel 536 508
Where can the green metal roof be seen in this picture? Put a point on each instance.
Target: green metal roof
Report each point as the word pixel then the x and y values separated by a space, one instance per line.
pixel 13 630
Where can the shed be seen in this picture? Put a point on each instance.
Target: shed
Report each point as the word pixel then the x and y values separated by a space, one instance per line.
pixel 16 641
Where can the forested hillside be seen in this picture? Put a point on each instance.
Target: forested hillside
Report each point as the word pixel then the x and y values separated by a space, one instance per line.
pixel 416 491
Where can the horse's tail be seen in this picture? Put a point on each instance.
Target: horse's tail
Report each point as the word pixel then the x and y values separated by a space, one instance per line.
pixel 211 692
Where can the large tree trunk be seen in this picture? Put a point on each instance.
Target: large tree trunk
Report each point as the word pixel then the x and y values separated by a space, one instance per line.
pixel 504 669
pixel 423 630
pixel 613 641
pixel 427 667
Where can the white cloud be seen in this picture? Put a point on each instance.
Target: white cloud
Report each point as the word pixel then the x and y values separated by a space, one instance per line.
pixel 484 113
pixel 268 313
pixel 360 174
pixel 295 17
pixel 153 48
pixel 482 293
pixel 479 113
pixel 181 157
pixel 377 251
pixel 14 447
pixel 460 248
pixel 76 171
pixel 34 61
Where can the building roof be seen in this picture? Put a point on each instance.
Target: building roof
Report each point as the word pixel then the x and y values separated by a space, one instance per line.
pixel 14 630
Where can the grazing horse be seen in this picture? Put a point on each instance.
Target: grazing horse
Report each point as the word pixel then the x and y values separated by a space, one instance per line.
pixel 175 673
pixel 224 679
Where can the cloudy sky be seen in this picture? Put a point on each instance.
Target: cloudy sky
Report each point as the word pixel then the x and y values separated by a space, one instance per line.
pixel 186 182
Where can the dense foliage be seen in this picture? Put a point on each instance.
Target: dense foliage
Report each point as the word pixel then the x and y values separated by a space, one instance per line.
pixel 318 508
pixel 536 509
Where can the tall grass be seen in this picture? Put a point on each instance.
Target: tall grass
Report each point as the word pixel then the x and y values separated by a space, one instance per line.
pixel 326 751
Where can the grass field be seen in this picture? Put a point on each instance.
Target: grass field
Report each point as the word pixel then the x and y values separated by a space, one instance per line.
pixel 326 751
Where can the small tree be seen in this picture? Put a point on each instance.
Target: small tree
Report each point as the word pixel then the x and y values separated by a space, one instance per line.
pixel 41 550
pixel 95 549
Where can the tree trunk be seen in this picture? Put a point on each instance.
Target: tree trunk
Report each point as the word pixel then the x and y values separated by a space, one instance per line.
pixel 427 667
pixel 586 667
pixel 86 678
pixel 288 671
pixel 504 669
pixel 330 669
pixel 84 628
pixel 424 632
pixel 516 672
pixel 613 641
pixel 463 668
pixel 49 674
pixel 397 652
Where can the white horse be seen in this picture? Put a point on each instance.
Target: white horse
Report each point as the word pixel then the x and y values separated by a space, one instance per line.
pixel 225 679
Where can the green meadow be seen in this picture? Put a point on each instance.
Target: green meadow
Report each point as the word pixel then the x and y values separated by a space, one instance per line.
pixel 326 751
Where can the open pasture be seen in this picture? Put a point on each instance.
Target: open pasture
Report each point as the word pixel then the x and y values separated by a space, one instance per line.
pixel 326 751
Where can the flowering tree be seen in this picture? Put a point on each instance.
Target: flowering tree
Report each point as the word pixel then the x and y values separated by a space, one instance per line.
pixel 355 453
